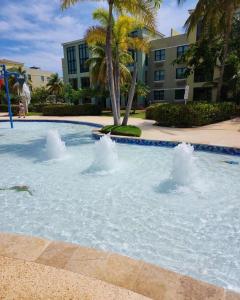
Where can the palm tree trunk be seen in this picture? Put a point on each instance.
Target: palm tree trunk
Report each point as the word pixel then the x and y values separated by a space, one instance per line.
pixel 109 59
pixel 225 49
pixel 130 95
pixel 117 82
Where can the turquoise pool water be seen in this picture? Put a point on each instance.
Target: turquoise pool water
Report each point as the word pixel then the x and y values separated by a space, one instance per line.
pixel 134 209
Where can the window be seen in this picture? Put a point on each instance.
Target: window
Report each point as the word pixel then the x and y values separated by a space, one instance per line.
pixel 71 60
pixel 160 55
pixel 158 95
pixel 181 50
pixel 85 82
pixel 29 77
pixel 181 73
pixel 159 75
pixel 202 94
pixel 146 60
pixel 42 78
pixel 146 77
pixel 179 94
pixel 202 75
pixel 83 57
pixel 74 83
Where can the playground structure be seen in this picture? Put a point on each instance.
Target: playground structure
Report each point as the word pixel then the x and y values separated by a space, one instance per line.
pixel 22 88
pixel 4 75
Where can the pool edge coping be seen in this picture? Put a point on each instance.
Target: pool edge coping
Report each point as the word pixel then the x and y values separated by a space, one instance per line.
pixel 125 272
pixel 96 134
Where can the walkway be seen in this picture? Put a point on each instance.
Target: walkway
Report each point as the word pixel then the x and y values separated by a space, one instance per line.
pixel 221 134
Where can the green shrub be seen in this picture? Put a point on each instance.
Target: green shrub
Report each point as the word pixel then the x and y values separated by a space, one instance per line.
pixel 4 108
pixel 36 107
pixel 192 114
pixel 127 130
pixel 72 110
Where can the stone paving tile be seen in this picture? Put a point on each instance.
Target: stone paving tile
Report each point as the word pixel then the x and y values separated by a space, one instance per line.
pixel 87 261
pixel 230 295
pixel 162 284
pixel 21 280
pixel 57 254
pixel 20 246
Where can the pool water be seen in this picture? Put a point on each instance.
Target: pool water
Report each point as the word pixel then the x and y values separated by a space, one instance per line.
pixel 135 209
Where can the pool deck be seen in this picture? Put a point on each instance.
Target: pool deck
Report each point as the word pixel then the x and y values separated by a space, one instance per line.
pixel 37 268
pixel 221 134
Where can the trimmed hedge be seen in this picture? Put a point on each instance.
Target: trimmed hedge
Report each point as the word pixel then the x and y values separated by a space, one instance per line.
pixel 192 114
pixel 126 130
pixel 72 110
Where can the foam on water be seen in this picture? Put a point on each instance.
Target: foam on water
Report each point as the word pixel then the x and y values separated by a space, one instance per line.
pixel 191 226
pixel 55 147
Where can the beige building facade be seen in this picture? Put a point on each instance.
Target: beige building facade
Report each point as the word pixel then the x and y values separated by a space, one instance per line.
pixel 36 76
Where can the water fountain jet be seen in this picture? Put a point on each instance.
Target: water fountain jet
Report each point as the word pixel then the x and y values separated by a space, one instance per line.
pixel 54 145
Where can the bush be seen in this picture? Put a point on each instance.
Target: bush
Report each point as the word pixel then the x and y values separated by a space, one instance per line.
pixel 72 110
pixel 39 95
pixel 127 130
pixel 4 108
pixel 150 111
pixel 191 114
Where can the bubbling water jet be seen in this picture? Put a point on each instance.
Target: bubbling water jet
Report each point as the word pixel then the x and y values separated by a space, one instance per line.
pixel 106 157
pixel 183 164
pixel 54 145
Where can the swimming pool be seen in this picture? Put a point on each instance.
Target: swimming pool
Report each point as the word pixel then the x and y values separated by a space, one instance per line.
pixel 134 208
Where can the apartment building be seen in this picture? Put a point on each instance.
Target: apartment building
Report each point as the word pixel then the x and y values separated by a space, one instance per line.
pixel 35 75
pixel 167 81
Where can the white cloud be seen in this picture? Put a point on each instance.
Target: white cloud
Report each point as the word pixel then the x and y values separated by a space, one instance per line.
pixel 33 32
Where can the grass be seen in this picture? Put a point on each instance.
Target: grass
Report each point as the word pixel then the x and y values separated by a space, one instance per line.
pixel 34 114
pixel 128 130
pixel 138 114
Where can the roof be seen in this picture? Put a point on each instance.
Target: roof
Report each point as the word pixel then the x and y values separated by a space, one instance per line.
pixel 8 61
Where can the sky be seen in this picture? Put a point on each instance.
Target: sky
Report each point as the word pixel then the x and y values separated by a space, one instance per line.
pixel 33 32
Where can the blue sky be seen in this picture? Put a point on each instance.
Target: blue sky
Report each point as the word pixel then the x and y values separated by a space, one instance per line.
pixel 33 31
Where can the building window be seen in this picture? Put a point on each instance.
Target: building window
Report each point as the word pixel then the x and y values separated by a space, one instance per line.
pixel 202 94
pixel 146 60
pixel 85 82
pixel 42 78
pixel 158 95
pixel 159 75
pixel 146 77
pixel 202 75
pixel 181 73
pixel 181 50
pixel 179 94
pixel 160 55
pixel 29 77
pixel 83 57
pixel 74 83
pixel 71 60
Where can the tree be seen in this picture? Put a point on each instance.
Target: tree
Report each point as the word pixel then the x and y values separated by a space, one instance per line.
pixel 145 10
pixel 217 18
pixel 55 85
pixel 122 41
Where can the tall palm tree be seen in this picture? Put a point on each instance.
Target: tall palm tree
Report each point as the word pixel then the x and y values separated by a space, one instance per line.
pixel 121 43
pixel 98 66
pixel 55 85
pixel 217 18
pixel 143 9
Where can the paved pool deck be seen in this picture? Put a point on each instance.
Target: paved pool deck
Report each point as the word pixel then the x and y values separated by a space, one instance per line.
pixel 221 134
pixel 37 268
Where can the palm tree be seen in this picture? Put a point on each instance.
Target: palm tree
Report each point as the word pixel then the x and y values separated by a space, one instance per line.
pixel 98 66
pixel 121 43
pixel 142 9
pixel 217 18
pixel 55 85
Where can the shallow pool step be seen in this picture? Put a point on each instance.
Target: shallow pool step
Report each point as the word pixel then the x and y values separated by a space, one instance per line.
pixel 104 267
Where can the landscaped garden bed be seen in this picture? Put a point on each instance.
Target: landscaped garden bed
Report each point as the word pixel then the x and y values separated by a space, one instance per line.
pixel 191 114
pixel 127 130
